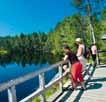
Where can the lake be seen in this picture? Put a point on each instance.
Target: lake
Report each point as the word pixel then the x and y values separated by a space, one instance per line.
pixel 16 66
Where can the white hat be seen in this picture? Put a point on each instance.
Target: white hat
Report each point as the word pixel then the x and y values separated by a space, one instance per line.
pixel 78 40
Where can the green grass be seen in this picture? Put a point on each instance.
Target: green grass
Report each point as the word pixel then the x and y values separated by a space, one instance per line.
pixel 51 90
pixel 37 99
pixel 48 93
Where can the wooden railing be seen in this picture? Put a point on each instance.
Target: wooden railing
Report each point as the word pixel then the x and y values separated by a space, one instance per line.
pixel 102 57
pixel 11 85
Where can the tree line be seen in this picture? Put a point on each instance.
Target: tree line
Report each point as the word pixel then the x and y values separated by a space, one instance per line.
pixel 23 43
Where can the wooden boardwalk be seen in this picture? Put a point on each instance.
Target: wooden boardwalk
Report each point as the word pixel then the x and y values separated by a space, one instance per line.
pixel 96 89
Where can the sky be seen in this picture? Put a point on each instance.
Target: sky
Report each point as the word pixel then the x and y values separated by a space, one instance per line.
pixel 28 16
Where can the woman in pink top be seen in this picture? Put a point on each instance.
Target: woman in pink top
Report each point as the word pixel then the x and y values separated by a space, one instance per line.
pixel 94 53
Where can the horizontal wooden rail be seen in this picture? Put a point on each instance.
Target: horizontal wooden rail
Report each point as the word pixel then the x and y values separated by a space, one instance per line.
pixel 39 91
pixel 101 57
pixel 27 77
pixel 10 85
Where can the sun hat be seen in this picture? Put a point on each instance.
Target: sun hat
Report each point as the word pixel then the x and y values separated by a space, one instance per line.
pixel 78 39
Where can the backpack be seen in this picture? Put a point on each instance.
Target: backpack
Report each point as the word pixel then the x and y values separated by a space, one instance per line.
pixel 86 52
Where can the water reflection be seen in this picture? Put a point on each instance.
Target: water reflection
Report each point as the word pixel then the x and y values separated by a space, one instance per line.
pixel 35 58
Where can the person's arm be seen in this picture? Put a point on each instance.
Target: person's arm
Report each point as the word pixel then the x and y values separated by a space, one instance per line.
pixel 96 48
pixel 79 52
pixel 65 57
pixel 65 66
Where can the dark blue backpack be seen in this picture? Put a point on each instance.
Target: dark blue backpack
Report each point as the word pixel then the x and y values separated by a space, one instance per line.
pixel 86 52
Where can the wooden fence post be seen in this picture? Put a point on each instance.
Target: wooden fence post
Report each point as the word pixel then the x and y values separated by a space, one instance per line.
pixel 42 86
pixel 60 75
pixel 12 94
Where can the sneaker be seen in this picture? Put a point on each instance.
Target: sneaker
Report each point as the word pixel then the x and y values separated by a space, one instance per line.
pixel 83 89
pixel 72 89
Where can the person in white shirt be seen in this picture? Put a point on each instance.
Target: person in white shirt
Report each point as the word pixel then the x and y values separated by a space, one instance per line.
pixel 80 54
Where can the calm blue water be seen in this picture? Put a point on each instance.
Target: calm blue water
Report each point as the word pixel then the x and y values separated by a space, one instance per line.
pixel 14 70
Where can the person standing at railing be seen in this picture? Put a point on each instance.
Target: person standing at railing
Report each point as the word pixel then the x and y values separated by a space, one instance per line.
pixel 94 53
pixel 82 54
pixel 76 68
